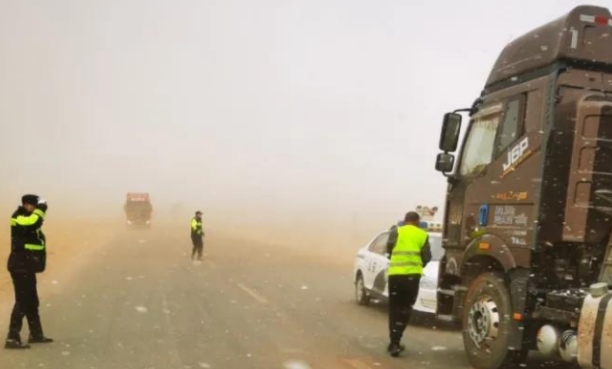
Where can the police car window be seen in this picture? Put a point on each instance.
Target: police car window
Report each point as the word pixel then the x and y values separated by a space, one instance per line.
pixel 379 245
pixel 478 149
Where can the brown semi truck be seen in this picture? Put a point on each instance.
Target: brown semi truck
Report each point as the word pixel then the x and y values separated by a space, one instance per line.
pixel 528 212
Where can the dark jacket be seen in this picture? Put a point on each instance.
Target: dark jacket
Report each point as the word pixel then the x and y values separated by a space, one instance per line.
pixel 28 250
pixel 392 241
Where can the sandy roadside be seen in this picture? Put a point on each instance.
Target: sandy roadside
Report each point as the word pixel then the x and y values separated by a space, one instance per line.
pixel 67 240
pixel 72 242
pixel 323 245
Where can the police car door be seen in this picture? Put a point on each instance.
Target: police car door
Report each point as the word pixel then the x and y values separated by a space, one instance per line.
pixel 378 264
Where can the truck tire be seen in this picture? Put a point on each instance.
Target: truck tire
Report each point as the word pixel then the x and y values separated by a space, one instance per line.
pixel 486 324
pixel 361 294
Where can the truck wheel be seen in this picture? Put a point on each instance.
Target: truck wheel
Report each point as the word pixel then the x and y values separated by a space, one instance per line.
pixel 486 324
pixel 361 294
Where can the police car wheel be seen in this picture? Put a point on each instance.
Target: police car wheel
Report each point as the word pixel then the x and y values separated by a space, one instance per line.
pixel 361 294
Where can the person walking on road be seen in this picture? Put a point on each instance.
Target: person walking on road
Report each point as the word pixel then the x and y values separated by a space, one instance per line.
pixel 28 256
pixel 409 251
pixel 197 235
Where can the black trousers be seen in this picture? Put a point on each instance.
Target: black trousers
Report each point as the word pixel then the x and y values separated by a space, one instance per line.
pixel 403 291
pixel 198 246
pixel 26 305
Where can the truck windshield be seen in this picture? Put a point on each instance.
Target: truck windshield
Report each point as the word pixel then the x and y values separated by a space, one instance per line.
pixel 138 206
pixel 478 150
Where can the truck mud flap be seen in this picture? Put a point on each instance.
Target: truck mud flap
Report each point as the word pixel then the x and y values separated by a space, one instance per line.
pixel 519 279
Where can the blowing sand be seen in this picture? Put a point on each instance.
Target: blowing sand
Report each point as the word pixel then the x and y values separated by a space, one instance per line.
pixel 69 241
pixel 66 240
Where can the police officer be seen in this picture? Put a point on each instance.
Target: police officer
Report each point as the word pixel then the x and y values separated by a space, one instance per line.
pixel 409 251
pixel 28 257
pixel 197 235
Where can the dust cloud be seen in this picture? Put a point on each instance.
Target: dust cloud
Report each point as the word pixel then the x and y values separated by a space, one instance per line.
pixel 308 123
pixel 205 105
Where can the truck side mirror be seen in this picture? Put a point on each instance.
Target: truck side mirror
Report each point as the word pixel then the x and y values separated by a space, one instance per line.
pixel 445 162
pixel 449 137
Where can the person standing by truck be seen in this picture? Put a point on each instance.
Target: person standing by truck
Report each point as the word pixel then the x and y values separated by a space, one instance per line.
pixel 28 257
pixel 409 253
pixel 197 235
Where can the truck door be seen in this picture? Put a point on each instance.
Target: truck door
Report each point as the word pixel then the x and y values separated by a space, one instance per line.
pixel 495 175
pixel 476 155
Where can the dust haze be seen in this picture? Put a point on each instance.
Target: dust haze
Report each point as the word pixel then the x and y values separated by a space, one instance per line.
pixel 306 121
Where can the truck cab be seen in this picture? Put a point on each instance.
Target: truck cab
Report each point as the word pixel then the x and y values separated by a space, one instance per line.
pixel 138 209
pixel 528 209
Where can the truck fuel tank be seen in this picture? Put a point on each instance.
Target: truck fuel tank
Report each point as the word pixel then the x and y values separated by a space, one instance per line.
pixel 595 329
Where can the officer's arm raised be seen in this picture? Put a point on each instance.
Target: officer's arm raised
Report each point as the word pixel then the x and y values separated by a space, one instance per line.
pixel 34 220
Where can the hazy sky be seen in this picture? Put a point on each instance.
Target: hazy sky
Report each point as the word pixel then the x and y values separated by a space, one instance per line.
pixel 270 105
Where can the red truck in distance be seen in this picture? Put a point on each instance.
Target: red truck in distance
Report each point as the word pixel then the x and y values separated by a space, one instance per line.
pixel 138 209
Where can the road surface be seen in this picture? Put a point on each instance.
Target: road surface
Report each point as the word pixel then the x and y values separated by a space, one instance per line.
pixel 139 302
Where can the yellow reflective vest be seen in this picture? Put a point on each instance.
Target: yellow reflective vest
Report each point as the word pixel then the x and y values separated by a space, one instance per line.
pixel 406 255
pixel 196 228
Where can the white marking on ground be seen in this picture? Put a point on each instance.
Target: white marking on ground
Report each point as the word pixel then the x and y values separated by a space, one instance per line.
pixel 252 293
pixel 357 364
pixel 296 364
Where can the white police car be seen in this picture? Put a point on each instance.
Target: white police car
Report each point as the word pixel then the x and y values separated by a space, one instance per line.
pixel 370 272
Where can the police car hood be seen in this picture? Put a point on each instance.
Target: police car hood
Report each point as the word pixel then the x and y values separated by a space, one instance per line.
pixel 431 269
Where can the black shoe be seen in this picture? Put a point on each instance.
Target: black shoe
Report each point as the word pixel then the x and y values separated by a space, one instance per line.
pixel 41 339
pixel 15 345
pixel 394 349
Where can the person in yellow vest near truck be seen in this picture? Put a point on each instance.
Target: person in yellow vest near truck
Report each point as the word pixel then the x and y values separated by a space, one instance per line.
pixel 28 257
pixel 409 252
pixel 197 235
